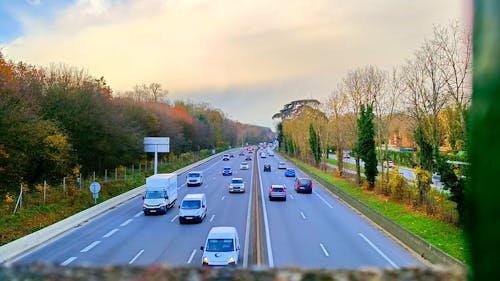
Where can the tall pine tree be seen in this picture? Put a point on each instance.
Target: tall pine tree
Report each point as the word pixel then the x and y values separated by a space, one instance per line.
pixel 315 144
pixel 366 144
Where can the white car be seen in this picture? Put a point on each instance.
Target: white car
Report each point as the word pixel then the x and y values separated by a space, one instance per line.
pixel 225 157
pixel 244 166
pixel 222 247
pixel 263 155
pixel 194 178
pixel 193 208
pixel 281 165
pixel 237 185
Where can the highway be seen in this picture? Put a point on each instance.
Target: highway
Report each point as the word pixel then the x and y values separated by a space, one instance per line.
pixel 308 230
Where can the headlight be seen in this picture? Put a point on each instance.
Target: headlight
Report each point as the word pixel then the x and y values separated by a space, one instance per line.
pixel 205 260
pixel 231 260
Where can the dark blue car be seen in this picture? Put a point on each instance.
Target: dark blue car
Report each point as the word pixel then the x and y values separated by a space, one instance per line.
pixel 227 171
pixel 290 173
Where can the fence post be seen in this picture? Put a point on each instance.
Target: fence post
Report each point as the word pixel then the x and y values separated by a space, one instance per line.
pixel 64 185
pixel 93 176
pixel 125 176
pixel 80 181
pixel 44 191
pixel 116 174
pixel 139 167
pixel 146 167
pixel 19 202
pixel 106 175
pixel 133 169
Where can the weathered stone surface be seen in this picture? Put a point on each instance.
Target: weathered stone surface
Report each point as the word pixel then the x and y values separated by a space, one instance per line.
pixel 165 273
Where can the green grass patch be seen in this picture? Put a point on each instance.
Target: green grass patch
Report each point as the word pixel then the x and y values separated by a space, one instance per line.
pixel 444 236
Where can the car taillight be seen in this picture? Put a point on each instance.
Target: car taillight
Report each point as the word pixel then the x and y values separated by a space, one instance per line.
pixel 298 185
pixel 311 186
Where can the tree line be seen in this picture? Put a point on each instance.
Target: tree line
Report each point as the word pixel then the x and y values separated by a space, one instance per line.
pixel 426 99
pixel 57 119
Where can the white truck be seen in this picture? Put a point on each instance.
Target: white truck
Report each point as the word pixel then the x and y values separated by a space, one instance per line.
pixel 161 193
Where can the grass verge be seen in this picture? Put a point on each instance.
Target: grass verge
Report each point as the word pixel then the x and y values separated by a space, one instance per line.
pixel 444 236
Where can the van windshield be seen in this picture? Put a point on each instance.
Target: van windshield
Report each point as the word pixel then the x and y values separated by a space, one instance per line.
pixel 220 245
pixel 237 181
pixel 194 175
pixel 154 195
pixel 191 204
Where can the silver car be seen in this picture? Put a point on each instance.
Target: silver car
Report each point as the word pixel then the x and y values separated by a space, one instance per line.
pixel 244 166
pixel 237 185
pixel 277 191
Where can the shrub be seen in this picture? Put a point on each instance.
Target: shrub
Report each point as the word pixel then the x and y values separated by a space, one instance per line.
pixel 397 185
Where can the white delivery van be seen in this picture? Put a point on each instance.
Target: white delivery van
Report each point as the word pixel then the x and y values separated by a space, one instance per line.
pixel 222 247
pixel 193 208
pixel 161 193
pixel 194 178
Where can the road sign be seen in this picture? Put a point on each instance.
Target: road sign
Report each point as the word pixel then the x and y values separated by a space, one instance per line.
pixel 95 187
pixel 157 144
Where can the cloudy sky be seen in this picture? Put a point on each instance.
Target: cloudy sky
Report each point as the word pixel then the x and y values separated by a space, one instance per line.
pixel 248 58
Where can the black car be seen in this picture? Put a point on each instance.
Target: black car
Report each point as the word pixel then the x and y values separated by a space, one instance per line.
pixel 267 167
pixel 248 158
pixel 303 185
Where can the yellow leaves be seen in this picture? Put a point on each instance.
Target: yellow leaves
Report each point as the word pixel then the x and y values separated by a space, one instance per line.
pixel 56 140
pixel 8 198
pixel 39 188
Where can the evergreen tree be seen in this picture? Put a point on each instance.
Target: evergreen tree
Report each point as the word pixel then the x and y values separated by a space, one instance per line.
pixel 366 144
pixel 315 144
pixel 426 151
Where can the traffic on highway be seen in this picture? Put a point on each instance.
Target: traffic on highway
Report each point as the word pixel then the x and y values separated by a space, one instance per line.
pixel 206 219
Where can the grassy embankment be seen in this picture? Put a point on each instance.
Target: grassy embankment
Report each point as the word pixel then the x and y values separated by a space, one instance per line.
pixel 447 237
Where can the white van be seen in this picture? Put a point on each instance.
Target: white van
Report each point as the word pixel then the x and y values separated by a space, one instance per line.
pixel 194 178
pixel 193 208
pixel 222 247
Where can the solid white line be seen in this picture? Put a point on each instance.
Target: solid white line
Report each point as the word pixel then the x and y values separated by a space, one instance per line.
pixel 136 256
pixel 110 233
pixel 266 223
pixel 303 216
pixel 138 214
pixel 68 261
pixel 247 231
pixel 378 251
pixel 212 218
pixel 176 216
pixel 89 247
pixel 291 196
pixel 324 201
pixel 324 250
pixel 191 256
pixel 126 222
pixel 223 197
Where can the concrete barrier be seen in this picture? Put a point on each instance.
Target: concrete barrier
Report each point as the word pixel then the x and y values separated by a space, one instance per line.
pixel 15 248
pixel 417 244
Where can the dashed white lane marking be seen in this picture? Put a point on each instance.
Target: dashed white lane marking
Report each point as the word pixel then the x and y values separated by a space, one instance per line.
pixel 324 201
pixel 324 250
pixel 212 218
pixel 303 216
pixel 378 251
pixel 110 233
pixel 291 196
pixel 223 197
pixel 174 218
pixel 136 257
pixel 138 215
pixel 191 256
pixel 68 261
pixel 89 247
pixel 206 186
pixel 126 222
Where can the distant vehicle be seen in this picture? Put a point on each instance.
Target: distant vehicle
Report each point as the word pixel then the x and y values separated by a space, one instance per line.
pixel 237 185
pixel 225 157
pixel 194 178
pixel 277 191
pixel 222 247
pixel 248 158
pixel 267 167
pixel 263 155
pixel 290 172
pixel 303 185
pixel 231 155
pixel 161 193
pixel 193 208
pixel 241 153
pixel 270 153
pixel 227 171
pixel 388 164
pixel 281 165
pixel 347 156
pixel 244 166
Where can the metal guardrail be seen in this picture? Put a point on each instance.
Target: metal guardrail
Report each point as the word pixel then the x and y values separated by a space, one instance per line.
pixel 419 245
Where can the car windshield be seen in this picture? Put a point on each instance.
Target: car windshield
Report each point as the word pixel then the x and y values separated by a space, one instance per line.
pixel 277 189
pixel 194 175
pixel 304 182
pixel 244 163
pixel 237 181
pixel 290 170
pixel 220 245
pixel 191 204
pixel 227 169
pixel 154 194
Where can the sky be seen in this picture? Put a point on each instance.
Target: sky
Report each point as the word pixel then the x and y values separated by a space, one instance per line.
pixel 247 58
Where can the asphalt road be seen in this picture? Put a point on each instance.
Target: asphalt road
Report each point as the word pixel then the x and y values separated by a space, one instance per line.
pixel 308 230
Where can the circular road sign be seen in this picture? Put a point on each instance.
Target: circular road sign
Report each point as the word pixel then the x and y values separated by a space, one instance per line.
pixel 95 187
